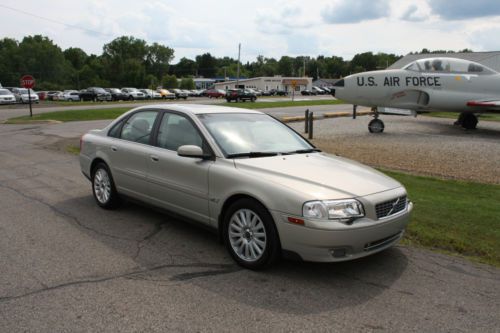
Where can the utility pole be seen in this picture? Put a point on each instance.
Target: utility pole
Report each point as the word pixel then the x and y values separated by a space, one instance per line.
pixel 304 66
pixel 238 70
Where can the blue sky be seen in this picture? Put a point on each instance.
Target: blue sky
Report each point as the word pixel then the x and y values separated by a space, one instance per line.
pixel 268 27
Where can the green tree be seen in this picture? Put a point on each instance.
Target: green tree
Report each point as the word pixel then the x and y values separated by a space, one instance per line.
pixel 158 58
pixel 207 65
pixel 40 57
pixel 76 56
pixel 187 83
pixel 9 62
pixel 363 62
pixel 185 67
pixel 285 66
pixel 169 81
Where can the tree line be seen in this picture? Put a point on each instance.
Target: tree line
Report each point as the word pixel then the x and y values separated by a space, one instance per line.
pixel 129 61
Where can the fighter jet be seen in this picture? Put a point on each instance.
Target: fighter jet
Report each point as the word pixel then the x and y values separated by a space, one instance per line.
pixel 432 84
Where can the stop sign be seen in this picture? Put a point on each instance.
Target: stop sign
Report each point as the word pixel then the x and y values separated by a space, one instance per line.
pixel 27 81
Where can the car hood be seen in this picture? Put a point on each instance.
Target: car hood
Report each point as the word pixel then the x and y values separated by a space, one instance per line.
pixel 319 175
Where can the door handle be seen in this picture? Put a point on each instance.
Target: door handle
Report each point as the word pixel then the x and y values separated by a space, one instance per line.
pixel 113 148
pixel 154 158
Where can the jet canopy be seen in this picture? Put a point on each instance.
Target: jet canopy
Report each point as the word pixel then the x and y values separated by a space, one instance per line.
pixel 448 65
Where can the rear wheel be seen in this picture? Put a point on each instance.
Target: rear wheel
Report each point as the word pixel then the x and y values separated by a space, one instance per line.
pixel 250 235
pixel 103 187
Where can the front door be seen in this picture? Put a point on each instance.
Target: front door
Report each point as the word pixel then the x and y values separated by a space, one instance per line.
pixel 179 184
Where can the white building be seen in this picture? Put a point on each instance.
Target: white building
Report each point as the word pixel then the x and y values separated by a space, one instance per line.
pixel 266 83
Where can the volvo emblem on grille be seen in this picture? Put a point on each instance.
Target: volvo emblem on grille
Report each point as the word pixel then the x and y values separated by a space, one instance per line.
pixel 393 206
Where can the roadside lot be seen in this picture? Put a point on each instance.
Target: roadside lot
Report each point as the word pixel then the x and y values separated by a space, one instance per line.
pixel 70 266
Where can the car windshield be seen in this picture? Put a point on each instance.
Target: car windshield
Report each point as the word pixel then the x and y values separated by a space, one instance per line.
pixel 246 134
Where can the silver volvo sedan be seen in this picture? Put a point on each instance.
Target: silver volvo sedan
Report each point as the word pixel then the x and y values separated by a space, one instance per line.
pixel 266 190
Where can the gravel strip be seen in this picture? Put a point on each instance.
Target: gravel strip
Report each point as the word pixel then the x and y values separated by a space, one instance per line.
pixel 423 145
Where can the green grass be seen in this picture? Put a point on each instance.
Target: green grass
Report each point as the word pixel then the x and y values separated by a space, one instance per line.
pixel 281 104
pixel 112 113
pixel 72 115
pixel 454 115
pixel 454 216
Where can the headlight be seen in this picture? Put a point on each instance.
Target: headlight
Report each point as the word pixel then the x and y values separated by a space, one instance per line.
pixel 340 210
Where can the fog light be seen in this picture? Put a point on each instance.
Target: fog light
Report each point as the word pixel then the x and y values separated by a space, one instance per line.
pixel 338 253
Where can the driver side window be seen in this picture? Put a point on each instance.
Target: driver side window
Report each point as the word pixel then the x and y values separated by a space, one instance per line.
pixel 175 131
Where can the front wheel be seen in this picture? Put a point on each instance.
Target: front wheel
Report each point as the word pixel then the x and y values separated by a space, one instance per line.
pixel 250 235
pixel 376 126
pixel 103 187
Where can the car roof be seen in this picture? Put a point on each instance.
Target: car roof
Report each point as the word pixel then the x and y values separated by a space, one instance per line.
pixel 199 108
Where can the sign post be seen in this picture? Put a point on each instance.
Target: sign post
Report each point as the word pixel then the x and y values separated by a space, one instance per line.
pixel 28 82
pixel 294 84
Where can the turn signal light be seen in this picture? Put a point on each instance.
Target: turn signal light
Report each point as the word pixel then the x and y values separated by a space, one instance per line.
pixel 295 220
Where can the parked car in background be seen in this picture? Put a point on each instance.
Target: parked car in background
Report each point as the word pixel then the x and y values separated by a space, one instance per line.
pixel 165 94
pixel 266 93
pixel 275 192
pixel 326 90
pixel 51 94
pixel 277 92
pixel 133 94
pixel 150 94
pixel 253 91
pixel 94 94
pixel 116 94
pixel 318 90
pixel 70 95
pixel 6 97
pixel 308 92
pixel 197 92
pixel 215 93
pixel 180 94
pixel 240 95
pixel 22 95
pixel 42 95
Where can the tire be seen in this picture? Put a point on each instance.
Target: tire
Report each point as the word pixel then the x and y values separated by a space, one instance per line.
pixel 103 187
pixel 252 99
pixel 376 126
pixel 228 100
pixel 131 98
pixel 469 121
pixel 256 246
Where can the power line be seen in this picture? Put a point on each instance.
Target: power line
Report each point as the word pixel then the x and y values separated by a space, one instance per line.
pixel 55 21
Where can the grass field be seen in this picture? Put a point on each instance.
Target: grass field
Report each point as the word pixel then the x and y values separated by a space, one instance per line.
pixel 111 113
pixel 454 216
pixel 454 115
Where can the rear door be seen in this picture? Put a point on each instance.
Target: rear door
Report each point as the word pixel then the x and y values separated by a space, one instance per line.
pixel 130 140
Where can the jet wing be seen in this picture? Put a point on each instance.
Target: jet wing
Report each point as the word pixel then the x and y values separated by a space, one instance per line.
pixel 485 103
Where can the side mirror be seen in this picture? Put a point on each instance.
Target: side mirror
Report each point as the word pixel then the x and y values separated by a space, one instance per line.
pixel 192 151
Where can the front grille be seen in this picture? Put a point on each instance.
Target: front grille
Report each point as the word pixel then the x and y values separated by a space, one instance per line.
pixel 390 207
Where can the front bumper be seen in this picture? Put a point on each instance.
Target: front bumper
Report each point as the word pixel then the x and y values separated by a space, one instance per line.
pixel 345 243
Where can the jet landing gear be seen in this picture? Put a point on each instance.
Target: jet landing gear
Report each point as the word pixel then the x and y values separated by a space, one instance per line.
pixel 467 120
pixel 376 125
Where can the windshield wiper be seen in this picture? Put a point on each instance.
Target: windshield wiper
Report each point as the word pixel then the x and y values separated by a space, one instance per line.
pixel 252 154
pixel 305 151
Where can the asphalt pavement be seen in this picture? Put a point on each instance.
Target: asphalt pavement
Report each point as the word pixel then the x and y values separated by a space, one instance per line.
pixel 67 265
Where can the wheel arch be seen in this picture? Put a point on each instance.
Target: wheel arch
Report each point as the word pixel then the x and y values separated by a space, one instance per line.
pixel 232 199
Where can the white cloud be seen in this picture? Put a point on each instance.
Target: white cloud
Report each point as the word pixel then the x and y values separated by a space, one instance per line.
pixel 272 28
